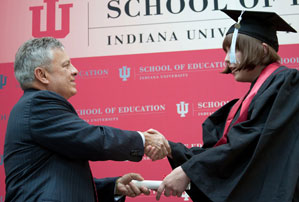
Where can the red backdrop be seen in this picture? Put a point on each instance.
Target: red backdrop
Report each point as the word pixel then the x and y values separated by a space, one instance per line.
pixel 171 91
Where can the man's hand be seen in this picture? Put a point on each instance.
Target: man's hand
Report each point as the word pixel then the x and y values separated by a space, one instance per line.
pixel 174 184
pixel 125 186
pixel 156 146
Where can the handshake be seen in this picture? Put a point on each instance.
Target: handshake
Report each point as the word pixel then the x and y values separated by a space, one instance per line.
pixel 156 146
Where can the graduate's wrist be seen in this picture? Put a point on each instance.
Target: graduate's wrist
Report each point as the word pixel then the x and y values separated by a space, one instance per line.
pixel 169 156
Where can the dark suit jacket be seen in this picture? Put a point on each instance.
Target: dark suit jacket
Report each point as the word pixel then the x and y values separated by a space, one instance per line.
pixel 47 149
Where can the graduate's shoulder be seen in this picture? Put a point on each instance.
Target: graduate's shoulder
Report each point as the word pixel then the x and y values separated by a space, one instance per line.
pixel 286 71
pixel 285 74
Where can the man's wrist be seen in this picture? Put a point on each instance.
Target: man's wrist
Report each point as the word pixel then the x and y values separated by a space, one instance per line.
pixel 142 136
pixel 116 195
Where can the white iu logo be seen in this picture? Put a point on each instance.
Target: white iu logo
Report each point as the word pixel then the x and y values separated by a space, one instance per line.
pixel 124 73
pixel 182 108
pixel 185 196
pixel 2 81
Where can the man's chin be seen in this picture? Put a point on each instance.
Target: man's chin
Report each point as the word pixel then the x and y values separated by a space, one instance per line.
pixel 74 92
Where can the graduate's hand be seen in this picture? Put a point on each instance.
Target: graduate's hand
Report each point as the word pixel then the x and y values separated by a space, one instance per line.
pixel 173 184
pixel 156 146
pixel 125 186
pixel 151 152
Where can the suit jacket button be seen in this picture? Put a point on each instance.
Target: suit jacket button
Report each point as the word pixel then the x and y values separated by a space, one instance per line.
pixel 134 153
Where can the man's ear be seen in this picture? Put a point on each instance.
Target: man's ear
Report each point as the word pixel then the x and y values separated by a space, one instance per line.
pixel 41 75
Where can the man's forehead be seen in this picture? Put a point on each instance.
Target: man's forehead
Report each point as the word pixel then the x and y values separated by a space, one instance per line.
pixel 60 54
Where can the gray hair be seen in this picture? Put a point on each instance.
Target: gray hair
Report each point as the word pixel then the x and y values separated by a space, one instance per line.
pixel 34 53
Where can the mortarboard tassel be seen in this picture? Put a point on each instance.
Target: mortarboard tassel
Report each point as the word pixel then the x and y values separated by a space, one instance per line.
pixel 232 54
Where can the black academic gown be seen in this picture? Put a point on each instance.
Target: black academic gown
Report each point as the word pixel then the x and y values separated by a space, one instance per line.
pixel 260 161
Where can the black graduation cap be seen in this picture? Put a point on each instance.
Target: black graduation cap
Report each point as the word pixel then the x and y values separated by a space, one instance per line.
pixel 260 25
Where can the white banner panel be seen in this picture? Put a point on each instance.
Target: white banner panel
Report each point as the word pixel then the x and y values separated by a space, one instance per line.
pixel 118 27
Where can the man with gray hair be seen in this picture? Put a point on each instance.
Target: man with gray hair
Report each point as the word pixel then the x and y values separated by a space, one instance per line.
pixel 47 146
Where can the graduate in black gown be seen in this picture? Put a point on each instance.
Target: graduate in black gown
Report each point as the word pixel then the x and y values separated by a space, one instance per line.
pixel 251 145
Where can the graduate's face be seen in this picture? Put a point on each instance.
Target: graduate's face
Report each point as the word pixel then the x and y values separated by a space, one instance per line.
pixel 61 75
pixel 241 75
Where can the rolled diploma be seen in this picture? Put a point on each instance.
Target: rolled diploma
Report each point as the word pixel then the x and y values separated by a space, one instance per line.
pixel 151 184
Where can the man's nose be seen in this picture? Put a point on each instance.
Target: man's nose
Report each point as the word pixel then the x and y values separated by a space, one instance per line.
pixel 74 70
